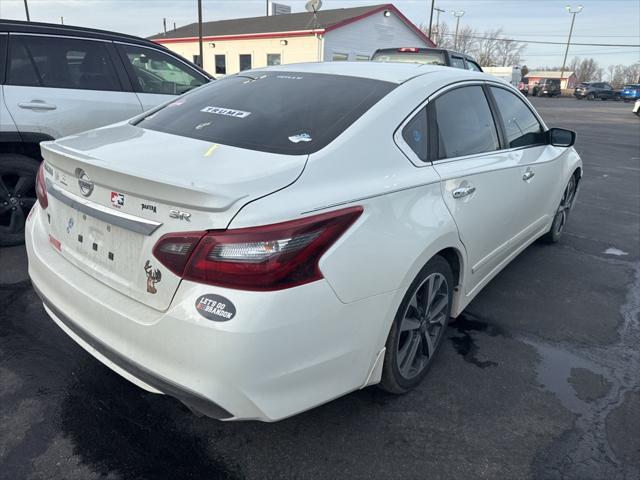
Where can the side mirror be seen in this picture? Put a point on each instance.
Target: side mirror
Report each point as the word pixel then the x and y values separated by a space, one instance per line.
pixel 560 137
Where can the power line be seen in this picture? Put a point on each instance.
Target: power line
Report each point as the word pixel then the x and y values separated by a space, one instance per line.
pixel 545 42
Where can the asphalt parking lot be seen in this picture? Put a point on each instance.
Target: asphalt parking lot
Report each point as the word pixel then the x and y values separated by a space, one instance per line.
pixel 539 378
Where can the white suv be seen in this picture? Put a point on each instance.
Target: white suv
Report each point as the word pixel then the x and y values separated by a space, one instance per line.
pixel 59 80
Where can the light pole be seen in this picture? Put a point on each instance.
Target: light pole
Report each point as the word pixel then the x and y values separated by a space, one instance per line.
pixel 573 19
pixel 201 62
pixel 439 10
pixel 431 16
pixel 26 9
pixel 457 14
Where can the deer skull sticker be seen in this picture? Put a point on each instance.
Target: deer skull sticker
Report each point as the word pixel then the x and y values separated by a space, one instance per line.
pixel 153 277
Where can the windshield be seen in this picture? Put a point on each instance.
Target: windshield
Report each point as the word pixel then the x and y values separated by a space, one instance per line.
pixel 279 112
pixel 426 57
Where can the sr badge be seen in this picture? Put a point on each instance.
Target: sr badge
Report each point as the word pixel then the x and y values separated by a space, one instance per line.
pixel 215 307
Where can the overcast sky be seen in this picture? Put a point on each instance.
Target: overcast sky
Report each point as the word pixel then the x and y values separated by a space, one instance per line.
pixel 601 21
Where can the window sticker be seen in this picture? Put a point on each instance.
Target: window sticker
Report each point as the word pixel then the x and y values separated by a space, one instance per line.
pixel 300 137
pixel 228 112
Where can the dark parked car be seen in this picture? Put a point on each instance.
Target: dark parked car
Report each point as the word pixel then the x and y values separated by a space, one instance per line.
pixel 591 91
pixel 430 56
pixel 631 92
pixel 547 87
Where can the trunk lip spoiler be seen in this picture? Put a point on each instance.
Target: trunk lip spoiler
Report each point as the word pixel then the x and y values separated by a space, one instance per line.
pixel 100 212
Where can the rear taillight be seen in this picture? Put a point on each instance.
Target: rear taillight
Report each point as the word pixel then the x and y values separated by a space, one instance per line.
pixel 409 49
pixel 269 257
pixel 41 187
pixel 174 249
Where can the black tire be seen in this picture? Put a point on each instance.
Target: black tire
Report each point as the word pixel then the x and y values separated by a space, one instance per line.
pixel 17 195
pixel 562 213
pixel 591 96
pixel 393 379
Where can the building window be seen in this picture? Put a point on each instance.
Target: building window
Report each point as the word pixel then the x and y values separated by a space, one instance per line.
pixel 340 57
pixel 362 58
pixel 245 62
pixel 196 60
pixel 221 64
pixel 273 59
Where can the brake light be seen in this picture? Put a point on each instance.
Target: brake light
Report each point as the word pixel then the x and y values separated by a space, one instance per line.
pixel 269 257
pixel 409 49
pixel 41 188
pixel 174 249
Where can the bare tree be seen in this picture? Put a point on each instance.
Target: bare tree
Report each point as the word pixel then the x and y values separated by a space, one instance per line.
pixel 489 48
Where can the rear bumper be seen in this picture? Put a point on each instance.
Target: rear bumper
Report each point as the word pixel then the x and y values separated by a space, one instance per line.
pixel 283 352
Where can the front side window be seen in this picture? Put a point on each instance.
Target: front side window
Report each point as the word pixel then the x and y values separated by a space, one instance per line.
pixel 340 57
pixel 362 58
pixel 273 59
pixel 415 134
pixel 294 113
pixel 157 72
pixel 521 125
pixel 465 124
pixel 245 62
pixel 457 62
pixel 221 64
pixel 58 62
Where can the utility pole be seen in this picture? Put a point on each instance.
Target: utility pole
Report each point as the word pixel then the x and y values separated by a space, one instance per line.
pixel 26 9
pixel 174 26
pixel 164 24
pixel 201 62
pixel 457 14
pixel 431 16
pixel 573 19
pixel 61 20
pixel 437 34
pixel 267 7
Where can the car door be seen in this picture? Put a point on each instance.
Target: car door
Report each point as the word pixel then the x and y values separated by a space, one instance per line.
pixel 481 184
pixel 539 165
pixel 59 86
pixel 158 76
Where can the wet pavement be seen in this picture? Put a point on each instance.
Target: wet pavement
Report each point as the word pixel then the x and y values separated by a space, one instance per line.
pixel 539 378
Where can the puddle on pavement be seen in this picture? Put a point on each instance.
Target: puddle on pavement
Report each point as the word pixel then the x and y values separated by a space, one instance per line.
pixel 465 344
pixel 554 372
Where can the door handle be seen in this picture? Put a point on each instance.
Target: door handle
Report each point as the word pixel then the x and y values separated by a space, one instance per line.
pixel 528 175
pixel 37 105
pixel 463 192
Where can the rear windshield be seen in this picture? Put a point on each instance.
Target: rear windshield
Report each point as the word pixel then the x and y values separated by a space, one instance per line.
pixel 278 112
pixel 426 57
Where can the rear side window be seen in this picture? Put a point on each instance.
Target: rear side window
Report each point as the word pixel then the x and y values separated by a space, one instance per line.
pixel 415 134
pixel 157 72
pixel 465 124
pixel 279 112
pixel 57 62
pixel 473 66
pixel 457 62
pixel 521 125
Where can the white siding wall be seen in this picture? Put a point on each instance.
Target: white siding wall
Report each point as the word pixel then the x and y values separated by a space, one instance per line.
pixel 365 36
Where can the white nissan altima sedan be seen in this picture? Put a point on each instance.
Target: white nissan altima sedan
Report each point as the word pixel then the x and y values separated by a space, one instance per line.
pixel 276 239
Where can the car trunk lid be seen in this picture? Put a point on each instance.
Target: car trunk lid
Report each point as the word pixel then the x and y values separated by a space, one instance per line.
pixel 114 193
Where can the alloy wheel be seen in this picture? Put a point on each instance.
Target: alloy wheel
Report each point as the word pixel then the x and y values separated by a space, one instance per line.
pixel 422 326
pixel 17 196
pixel 565 206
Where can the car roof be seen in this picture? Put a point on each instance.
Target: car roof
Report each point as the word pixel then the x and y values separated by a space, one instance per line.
pixel 385 71
pixel 19 26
